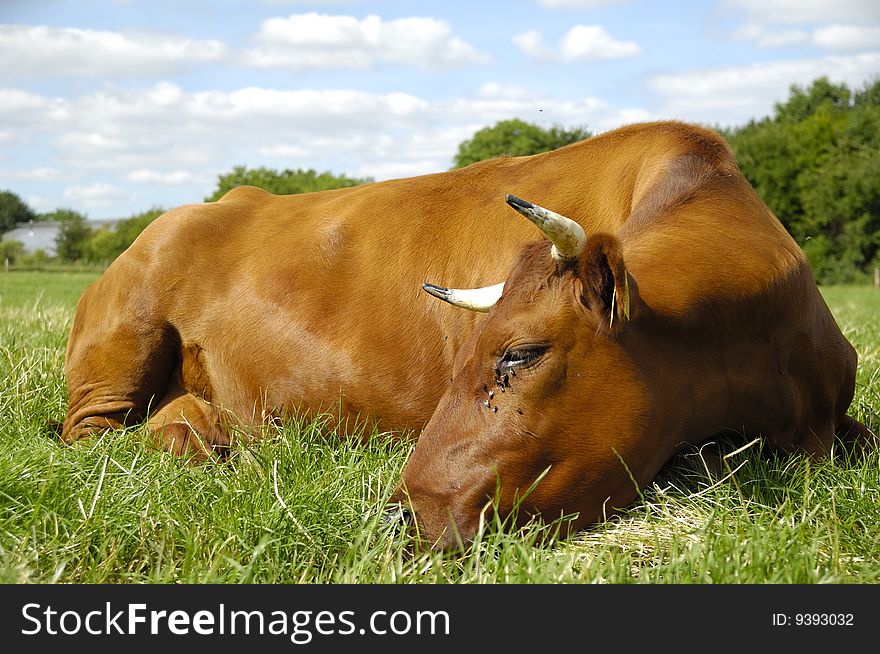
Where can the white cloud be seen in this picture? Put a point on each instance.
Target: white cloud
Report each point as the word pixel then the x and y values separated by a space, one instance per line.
pixel 532 44
pixel 282 151
pixel 580 44
pixel 167 137
pixel 840 38
pixel 94 141
pixel 765 37
pixel 23 113
pixel 40 51
pixel 495 102
pixel 14 102
pixel 37 175
pixel 578 4
pixel 95 196
pixel 306 41
pixel 793 12
pixel 164 128
pixel 40 203
pixel 510 92
pixel 734 94
pixel 378 155
pixel 315 108
pixel 847 38
pixel 587 42
pixel 146 176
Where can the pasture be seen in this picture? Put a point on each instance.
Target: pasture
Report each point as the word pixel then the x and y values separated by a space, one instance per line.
pixel 302 505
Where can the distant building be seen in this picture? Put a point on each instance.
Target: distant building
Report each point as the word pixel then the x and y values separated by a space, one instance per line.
pixel 41 235
pixel 35 236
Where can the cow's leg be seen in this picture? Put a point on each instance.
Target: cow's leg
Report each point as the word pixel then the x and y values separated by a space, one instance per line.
pixel 849 435
pixel 119 358
pixel 856 437
pixel 186 425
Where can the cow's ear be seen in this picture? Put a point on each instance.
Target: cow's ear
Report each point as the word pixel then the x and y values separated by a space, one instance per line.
pixel 607 289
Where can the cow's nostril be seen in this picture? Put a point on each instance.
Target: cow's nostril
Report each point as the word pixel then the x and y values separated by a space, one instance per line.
pixel 399 515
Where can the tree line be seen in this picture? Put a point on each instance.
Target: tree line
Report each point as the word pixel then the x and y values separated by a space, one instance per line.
pixel 815 162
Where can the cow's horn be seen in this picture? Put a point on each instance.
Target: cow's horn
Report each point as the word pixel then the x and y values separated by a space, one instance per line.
pixel 567 236
pixel 475 299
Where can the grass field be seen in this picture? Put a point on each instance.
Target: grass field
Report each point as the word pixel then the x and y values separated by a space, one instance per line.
pixel 301 505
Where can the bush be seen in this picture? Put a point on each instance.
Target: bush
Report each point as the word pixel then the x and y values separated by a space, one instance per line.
pixel 37 259
pixel 70 243
pixel 11 252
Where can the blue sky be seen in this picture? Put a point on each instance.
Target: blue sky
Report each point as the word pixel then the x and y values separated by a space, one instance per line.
pixel 112 107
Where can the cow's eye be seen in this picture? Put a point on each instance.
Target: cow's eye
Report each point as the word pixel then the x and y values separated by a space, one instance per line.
pixel 521 356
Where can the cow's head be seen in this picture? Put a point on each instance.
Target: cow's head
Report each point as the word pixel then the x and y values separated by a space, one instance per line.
pixel 547 401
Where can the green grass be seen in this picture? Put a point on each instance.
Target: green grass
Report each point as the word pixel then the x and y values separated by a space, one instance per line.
pixel 302 505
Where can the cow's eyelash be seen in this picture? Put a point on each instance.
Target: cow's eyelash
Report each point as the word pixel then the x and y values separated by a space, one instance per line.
pixel 521 356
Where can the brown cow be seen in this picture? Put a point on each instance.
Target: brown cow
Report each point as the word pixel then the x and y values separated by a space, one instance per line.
pixel 671 305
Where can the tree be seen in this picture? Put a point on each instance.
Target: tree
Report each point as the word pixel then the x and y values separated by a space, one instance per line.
pixel 13 210
pixel 815 164
pixel 71 240
pixel 869 95
pixel 514 138
pixel 285 182
pixel 803 103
